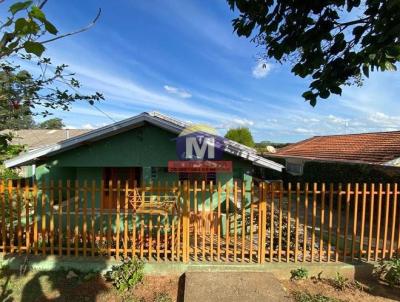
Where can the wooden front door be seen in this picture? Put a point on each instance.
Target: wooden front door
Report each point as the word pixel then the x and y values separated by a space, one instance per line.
pixel 131 174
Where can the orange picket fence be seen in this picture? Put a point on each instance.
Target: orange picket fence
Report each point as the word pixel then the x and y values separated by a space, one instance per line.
pixel 201 221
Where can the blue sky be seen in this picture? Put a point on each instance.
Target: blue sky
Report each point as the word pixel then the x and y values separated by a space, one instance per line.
pixel 181 58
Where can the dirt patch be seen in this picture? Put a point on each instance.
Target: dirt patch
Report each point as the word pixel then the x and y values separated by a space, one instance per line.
pixel 365 291
pixel 54 286
pixel 156 285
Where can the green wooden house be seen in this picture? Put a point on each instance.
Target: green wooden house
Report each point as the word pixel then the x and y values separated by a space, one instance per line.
pixel 137 150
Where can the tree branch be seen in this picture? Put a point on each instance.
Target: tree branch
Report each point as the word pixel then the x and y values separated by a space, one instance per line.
pixel 90 25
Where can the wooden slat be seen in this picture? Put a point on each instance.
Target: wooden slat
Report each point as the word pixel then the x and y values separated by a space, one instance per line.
pixel 126 194
pixel 84 218
pixel 362 226
pixel 227 231
pixel 339 215
pixel 211 187
pixel 35 218
pixel 60 210
pixel 305 239
pixel 330 223
pixel 219 222
pixel 394 215
pixel 280 222
pixel 93 219
pixel 158 237
pixel 271 224
pixel 52 217
pixel 346 224
pixel 371 221
pixel 76 212
pixel 243 229
pixel 203 220
pixel 118 220
pixel 109 225
pixel 142 237
pixel 173 221
pixel 386 224
pixel 158 223
pixel 355 220
pixel 101 222
pixel 235 230
pixel 322 222
pixel 19 212
pixel 142 234
pixel 195 220
pixel 296 243
pixel 378 226
pixel 289 217
pixel 314 215
pixel 166 231
pixel 134 217
pixel 43 229
pixel 178 247
pixel 11 213
pixel 27 221
pixel 251 222
pixel 150 252
pixel 3 216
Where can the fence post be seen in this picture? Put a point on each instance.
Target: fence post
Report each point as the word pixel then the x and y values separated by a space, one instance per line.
pixel 263 222
pixel 185 222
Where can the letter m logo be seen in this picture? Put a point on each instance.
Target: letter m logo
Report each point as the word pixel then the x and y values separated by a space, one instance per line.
pixel 198 147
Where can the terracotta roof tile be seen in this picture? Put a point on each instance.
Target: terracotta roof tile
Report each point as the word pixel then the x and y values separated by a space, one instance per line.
pixel 372 148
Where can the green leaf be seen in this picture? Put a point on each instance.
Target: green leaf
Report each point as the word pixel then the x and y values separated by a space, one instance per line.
pixel 365 70
pixel 37 13
pixel 324 94
pixel 16 7
pixel 26 27
pixel 390 66
pixel 50 27
pixel 336 90
pixel 34 47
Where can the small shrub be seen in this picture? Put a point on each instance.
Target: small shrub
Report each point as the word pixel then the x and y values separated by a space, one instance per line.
pixel 299 274
pixel 162 297
pixel 307 297
pixel 126 275
pixel 389 271
pixel 340 282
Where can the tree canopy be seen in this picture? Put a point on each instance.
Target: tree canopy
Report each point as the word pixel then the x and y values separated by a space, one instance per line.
pixel 241 135
pixel 332 42
pixel 24 34
pixel 54 123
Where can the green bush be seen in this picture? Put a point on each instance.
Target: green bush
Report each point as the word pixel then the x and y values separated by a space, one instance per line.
pixel 299 274
pixel 126 275
pixel 340 282
pixel 389 271
pixel 307 297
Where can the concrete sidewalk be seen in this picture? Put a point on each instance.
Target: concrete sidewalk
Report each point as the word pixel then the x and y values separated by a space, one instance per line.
pixel 233 287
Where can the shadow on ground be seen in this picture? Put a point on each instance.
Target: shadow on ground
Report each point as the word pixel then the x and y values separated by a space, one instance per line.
pixel 19 282
pixel 363 273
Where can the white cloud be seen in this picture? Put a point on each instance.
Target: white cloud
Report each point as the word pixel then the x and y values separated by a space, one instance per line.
pixel 177 91
pixel 262 69
pixel 88 126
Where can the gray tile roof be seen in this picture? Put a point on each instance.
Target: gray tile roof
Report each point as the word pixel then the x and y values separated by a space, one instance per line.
pixel 38 138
